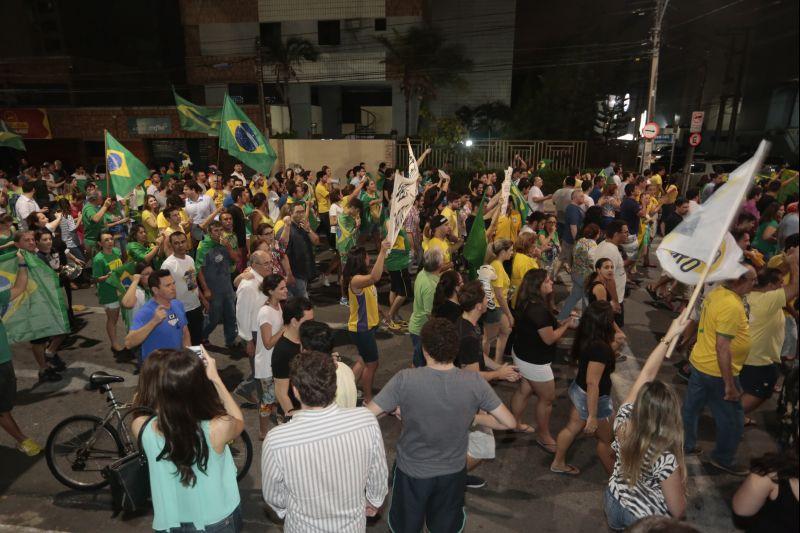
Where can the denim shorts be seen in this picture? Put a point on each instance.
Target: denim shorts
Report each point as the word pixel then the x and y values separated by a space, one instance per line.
pixel 618 517
pixel 492 316
pixel 578 396
pixel 230 524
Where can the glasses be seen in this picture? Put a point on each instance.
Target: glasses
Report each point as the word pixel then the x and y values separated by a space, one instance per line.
pixel 264 233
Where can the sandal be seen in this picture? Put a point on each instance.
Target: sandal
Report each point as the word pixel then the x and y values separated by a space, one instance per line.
pixel 570 471
pixel 547 447
pixel 749 422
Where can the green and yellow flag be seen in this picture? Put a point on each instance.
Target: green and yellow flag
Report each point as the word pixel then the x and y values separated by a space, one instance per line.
pixel 475 245
pixel 9 139
pixel 242 140
pixel 197 118
pixel 41 310
pixel 518 201
pixel 121 278
pixel 125 171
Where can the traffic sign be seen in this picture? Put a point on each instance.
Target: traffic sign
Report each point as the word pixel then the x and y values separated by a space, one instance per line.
pixel 650 130
pixel 697 122
pixel 695 139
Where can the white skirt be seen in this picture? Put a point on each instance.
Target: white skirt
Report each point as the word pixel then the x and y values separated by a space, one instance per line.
pixel 532 372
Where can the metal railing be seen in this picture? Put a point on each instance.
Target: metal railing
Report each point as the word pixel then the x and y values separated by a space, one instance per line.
pixel 493 154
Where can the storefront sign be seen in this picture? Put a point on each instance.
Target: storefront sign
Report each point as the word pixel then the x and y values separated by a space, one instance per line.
pixel 150 126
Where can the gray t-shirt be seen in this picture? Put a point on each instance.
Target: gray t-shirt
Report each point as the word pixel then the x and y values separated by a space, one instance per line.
pixel 437 408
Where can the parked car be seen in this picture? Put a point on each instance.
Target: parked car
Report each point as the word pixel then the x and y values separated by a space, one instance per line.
pixel 704 167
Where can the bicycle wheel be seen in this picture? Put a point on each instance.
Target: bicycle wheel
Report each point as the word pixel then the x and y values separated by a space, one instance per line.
pixel 78 449
pixel 242 451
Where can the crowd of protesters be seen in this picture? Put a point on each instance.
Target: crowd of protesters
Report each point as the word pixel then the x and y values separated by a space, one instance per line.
pixel 208 248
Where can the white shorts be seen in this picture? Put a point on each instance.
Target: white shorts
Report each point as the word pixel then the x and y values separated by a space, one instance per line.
pixel 481 443
pixel 112 305
pixel 532 372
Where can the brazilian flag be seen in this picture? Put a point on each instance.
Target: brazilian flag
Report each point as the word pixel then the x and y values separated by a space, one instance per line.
pixel 197 118
pixel 124 170
pixel 121 279
pixel 475 245
pixel 242 140
pixel 41 309
pixel 518 202
pixel 10 139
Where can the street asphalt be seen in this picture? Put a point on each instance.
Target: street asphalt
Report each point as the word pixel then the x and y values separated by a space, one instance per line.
pixel 521 493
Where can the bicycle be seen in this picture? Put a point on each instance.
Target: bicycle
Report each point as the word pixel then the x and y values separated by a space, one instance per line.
pixel 81 446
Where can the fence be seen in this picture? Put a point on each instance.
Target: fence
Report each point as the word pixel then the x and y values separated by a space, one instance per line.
pixel 563 155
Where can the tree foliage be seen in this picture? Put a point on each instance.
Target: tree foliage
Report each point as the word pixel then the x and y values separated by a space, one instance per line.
pixel 284 58
pixel 485 120
pixel 611 120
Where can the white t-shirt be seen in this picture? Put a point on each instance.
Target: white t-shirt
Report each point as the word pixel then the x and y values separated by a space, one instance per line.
pixel 588 202
pixel 535 192
pixel 141 299
pixel 263 359
pixel 185 276
pixel 610 250
pixel 335 211
pixel 272 203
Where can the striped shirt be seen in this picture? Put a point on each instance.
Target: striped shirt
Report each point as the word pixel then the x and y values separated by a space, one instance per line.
pixel 646 498
pixel 321 469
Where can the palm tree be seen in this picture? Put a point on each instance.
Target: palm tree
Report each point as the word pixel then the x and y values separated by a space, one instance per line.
pixel 423 62
pixel 284 58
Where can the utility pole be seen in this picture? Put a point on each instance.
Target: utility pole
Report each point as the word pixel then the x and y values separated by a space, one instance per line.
pixel 262 106
pixel 655 35
pixel 698 106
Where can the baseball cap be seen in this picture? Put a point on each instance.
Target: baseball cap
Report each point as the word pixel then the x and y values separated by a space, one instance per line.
pixel 438 220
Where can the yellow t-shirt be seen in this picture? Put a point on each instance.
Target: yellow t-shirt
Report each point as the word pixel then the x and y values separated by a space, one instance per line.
pixel 508 226
pixel 217 196
pixel 323 198
pixel 722 314
pixel 452 218
pixel 279 224
pixel 767 327
pixel 162 223
pixel 503 282
pixel 519 267
pixel 443 245
pixel 152 233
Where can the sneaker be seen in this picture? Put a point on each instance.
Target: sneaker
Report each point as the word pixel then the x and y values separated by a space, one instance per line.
pixel 344 301
pixel 55 362
pixel 49 374
pixel 29 447
pixel 325 282
pixel 734 469
pixel 391 325
pixel 475 482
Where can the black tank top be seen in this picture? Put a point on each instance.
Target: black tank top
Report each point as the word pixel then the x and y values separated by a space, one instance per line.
pixel 778 515
pixel 590 292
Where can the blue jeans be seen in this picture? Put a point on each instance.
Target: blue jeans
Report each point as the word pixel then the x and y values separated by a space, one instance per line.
pixel 418 359
pixel 299 289
pixel 728 416
pixel 575 297
pixel 230 524
pixel 222 308
pixel 617 516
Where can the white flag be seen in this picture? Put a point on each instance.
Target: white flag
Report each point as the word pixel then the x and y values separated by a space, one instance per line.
pixel 403 196
pixel 505 190
pixel 702 239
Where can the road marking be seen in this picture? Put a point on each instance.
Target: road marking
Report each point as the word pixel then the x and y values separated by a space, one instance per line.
pixel 25 529
pixel 74 378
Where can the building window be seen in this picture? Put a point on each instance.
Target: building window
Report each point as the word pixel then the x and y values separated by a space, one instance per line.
pixel 328 32
pixel 270 32
pixel 380 24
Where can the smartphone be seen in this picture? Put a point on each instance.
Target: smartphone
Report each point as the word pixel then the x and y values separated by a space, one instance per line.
pixel 198 351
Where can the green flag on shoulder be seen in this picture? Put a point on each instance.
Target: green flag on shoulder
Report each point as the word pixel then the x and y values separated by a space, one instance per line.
pixel 41 310
pixel 196 117
pixel 519 202
pixel 475 245
pixel 10 139
pixel 125 171
pixel 121 278
pixel 242 140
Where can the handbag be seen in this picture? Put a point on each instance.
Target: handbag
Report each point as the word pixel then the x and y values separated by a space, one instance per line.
pixel 129 478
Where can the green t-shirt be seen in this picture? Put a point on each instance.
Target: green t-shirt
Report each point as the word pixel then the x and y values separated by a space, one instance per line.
pixel 92 229
pixel 103 264
pixel 5 349
pixel 248 224
pixel 137 251
pixel 400 255
pixel 424 290
pixel 346 233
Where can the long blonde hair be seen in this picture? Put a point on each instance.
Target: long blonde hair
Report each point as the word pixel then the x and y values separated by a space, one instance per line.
pixel 654 427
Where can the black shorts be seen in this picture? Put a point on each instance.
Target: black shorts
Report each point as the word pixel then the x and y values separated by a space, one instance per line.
pixel 400 282
pixel 8 387
pixel 437 502
pixel 759 381
pixel 43 340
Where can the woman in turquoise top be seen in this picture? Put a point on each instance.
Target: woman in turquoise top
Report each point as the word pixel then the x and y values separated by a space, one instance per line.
pixel 192 474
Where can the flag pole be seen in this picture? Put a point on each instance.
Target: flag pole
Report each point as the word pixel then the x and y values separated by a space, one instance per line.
pixel 105 162
pixel 760 155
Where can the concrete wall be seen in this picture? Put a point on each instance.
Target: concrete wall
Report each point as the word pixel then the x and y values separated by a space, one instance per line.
pixel 339 154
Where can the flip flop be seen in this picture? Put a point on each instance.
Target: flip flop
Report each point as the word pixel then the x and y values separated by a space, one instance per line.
pixel 570 471
pixel 749 422
pixel 546 447
pixel 652 293
pixel 524 428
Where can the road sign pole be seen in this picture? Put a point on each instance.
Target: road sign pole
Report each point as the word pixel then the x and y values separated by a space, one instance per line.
pixel 661 8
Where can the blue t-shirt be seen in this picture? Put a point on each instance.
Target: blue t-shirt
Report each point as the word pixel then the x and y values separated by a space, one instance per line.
pixel 168 334
pixel 629 212
pixel 596 194
pixel 574 217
